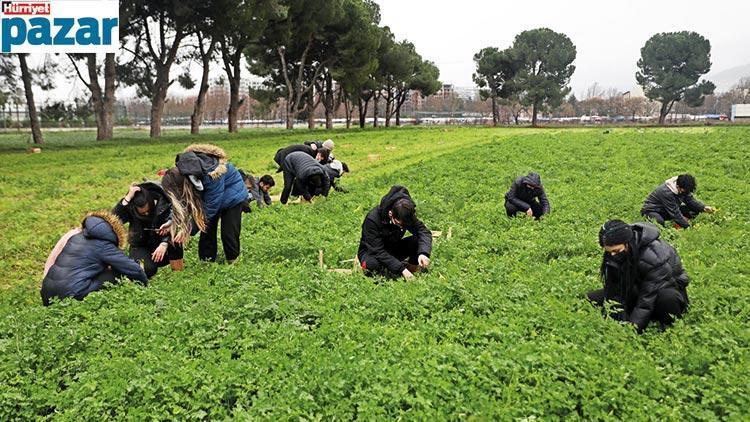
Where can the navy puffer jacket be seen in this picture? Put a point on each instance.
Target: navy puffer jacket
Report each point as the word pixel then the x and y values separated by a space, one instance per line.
pixel 86 256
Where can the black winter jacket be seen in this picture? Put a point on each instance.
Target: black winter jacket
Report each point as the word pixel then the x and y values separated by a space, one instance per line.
pixel 379 234
pixel 142 230
pixel 88 254
pixel 659 267
pixel 665 202
pixel 302 167
pixel 520 196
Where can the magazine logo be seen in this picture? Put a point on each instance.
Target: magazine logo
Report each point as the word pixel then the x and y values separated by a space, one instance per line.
pixel 59 26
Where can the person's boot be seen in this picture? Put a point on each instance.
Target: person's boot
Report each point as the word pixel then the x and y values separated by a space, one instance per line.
pixel 177 264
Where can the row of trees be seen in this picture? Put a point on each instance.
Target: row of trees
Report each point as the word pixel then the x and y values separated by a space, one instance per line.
pixel 310 53
pixel 536 69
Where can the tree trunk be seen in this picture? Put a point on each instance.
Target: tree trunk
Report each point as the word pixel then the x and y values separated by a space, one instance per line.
pixel 108 102
pixel 666 107
pixel 310 107
pixel 348 111
pixel 36 129
pixel 96 95
pixel 533 114
pixel 495 115
pixel 157 109
pixel 388 107
pixel 196 119
pixel 290 112
pixel 328 102
pixel 375 110
pixel 362 112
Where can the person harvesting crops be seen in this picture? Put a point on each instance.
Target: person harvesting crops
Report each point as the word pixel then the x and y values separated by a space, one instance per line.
pixel 305 175
pixel 87 257
pixel 642 275
pixel 257 189
pixel 148 211
pixel 527 196
pixel 673 200
pixel 383 249
pixel 318 145
pixel 335 169
pixel 209 190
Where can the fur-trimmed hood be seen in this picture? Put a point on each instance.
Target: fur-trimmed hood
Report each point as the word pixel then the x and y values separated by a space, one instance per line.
pixel 106 226
pixel 213 151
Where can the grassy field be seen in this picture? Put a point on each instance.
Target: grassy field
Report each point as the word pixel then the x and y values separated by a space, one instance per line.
pixel 497 330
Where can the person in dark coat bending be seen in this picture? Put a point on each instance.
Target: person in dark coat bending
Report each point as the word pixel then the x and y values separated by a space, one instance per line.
pixel 87 257
pixel 306 175
pixel 148 211
pixel 320 154
pixel 526 195
pixel 383 248
pixel 666 202
pixel 642 275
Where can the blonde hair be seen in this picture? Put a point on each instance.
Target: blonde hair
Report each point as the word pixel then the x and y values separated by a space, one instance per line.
pixel 186 202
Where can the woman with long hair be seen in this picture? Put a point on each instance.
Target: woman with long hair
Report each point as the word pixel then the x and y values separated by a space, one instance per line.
pixel 207 191
pixel 642 275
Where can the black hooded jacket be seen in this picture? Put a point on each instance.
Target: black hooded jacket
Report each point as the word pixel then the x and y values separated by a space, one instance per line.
pixel 302 167
pixel 379 234
pixel 142 230
pixel 659 267
pixel 282 153
pixel 520 196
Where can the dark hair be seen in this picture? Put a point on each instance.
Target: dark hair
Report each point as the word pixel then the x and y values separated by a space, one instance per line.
pixel 627 279
pixel 267 180
pixel 325 153
pixel 140 199
pixel 405 211
pixel 344 167
pixel 687 182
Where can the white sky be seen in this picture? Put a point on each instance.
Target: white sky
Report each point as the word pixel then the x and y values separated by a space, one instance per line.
pixel 608 38
pixel 608 34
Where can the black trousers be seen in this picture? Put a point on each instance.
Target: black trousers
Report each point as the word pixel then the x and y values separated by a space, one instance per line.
pixel 231 223
pixel 406 248
pixel 670 303
pixel 142 254
pixel 513 210
pixel 662 218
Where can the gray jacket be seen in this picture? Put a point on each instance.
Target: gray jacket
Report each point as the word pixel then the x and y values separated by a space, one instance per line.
pixel 665 201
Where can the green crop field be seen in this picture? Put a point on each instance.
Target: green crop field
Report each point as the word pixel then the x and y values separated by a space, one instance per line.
pixel 498 329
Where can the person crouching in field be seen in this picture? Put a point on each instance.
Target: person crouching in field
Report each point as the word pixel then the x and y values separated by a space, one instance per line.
pixel 527 196
pixel 257 189
pixel 383 248
pixel 87 257
pixel 148 211
pixel 642 275
pixel 318 145
pixel 305 175
pixel 211 190
pixel 666 202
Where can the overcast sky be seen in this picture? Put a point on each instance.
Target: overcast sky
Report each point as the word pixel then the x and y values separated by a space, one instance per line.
pixel 608 38
pixel 608 35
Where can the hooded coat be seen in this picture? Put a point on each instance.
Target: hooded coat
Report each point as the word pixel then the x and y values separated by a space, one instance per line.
pixel 302 167
pixel 520 195
pixel 142 230
pixel 223 187
pixel 88 254
pixel 379 234
pixel 659 267
pixel 666 200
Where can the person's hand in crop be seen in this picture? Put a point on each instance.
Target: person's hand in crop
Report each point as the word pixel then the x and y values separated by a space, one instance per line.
pixel 423 261
pixel 182 237
pixel 529 212
pixel 708 209
pixel 159 253
pixel 407 274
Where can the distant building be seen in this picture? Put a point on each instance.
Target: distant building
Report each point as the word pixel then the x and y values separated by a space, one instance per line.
pixel 740 112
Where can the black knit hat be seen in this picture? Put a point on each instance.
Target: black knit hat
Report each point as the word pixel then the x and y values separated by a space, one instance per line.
pixel 615 232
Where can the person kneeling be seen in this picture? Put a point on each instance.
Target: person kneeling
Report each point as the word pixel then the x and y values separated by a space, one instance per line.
pixel 148 211
pixel 87 257
pixel 665 203
pixel 522 197
pixel 642 275
pixel 383 248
